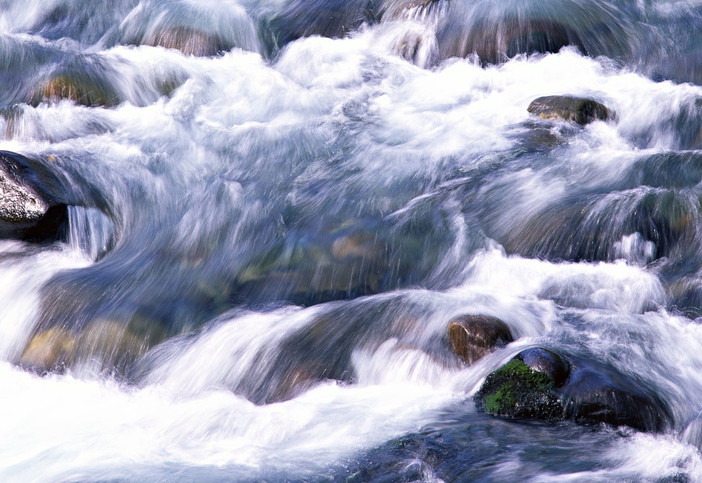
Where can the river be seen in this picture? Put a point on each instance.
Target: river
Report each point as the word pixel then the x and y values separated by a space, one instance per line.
pixel 277 206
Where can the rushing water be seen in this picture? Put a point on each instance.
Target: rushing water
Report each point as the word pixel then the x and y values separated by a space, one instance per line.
pixel 274 220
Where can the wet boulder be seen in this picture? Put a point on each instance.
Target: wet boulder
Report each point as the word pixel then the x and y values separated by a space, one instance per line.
pixel 83 79
pixel 326 18
pixel 517 392
pixel 48 350
pixel 78 89
pixel 111 343
pixel 188 40
pixel 596 227
pixel 193 28
pixel 495 40
pixel 579 110
pixel 472 337
pixel 540 385
pixel 30 208
pixel 345 263
pixel 422 10
pixel 596 396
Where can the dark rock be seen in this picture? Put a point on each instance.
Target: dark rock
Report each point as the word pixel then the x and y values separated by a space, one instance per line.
pixel 29 208
pixel 546 362
pixel 474 336
pixel 575 109
pixel 592 227
pixel 601 396
pixel 516 391
pixel 537 385
pixel 327 18
pixel 496 40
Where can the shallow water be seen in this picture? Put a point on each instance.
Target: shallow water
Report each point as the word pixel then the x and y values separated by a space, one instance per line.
pixel 278 206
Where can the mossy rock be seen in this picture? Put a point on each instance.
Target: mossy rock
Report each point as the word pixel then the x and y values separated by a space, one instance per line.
pixel 579 110
pixel 518 392
pixel 540 385
pixel 546 362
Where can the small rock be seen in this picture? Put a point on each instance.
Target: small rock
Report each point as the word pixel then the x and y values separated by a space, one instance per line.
pixel 574 109
pixel 474 336
pixel 29 210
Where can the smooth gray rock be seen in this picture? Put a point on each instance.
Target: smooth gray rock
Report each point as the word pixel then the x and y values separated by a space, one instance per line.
pixel 29 207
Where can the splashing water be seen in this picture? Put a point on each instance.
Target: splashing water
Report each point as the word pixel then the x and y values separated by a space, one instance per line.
pixel 275 208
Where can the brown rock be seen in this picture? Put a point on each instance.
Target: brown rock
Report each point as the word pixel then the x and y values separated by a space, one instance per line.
pixel 474 336
pixel 188 40
pixel 48 349
pixel 357 245
pixel 574 109
pixel 80 88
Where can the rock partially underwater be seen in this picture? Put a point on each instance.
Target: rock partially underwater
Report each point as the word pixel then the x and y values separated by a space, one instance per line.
pixel 31 207
pixel 472 337
pixel 541 385
pixel 495 33
pixel 579 110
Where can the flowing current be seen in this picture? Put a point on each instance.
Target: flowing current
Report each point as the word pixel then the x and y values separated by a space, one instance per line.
pixel 277 206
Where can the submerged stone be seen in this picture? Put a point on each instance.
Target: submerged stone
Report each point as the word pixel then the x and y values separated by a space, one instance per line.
pixel 188 40
pixel 541 385
pixel 84 79
pixel 80 91
pixel 29 208
pixel 109 343
pixel 48 349
pixel 472 337
pixel 569 108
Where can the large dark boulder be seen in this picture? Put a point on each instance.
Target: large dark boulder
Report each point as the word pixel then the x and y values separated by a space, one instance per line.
pixel 569 108
pixel 326 18
pixel 540 385
pixel 472 337
pixel 30 208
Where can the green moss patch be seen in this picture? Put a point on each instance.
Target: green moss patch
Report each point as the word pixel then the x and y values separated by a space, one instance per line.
pixel 517 391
